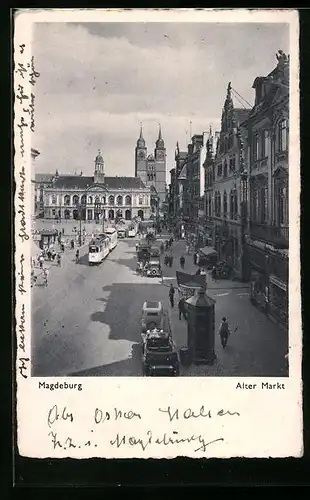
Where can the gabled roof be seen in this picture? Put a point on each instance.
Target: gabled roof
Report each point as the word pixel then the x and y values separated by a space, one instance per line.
pixel 183 174
pixel 83 182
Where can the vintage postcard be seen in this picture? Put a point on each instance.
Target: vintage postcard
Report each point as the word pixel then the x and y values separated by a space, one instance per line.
pixel 157 233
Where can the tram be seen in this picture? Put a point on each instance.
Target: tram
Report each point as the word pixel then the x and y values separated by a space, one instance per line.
pixel 111 232
pixel 98 249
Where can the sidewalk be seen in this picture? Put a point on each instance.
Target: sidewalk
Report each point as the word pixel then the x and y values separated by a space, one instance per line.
pixel 66 257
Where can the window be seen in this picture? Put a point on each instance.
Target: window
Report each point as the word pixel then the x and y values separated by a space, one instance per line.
pixel 225 168
pixel 83 200
pixel 90 200
pixel 232 164
pixel 217 204
pixel 119 200
pixel 219 170
pixel 282 136
pixel 264 143
pixel 67 200
pixel 233 204
pixel 53 212
pixel 140 200
pixel 225 204
pixel 75 200
pixel 128 200
pixel 97 200
pixel 281 202
pixel 54 199
pixel 256 147
pixel 111 200
pixel 230 141
pixel 263 205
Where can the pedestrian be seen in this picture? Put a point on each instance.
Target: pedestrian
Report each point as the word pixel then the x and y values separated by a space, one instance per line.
pixel 198 272
pixel 49 254
pixel 62 247
pixel 182 261
pixel 63 231
pixel 166 260
pixel 197 258
pixel 59 260
pixel 213 273
pixel 187 249
pixel 162 248
pixel 171 295
pixel 77 256
pixel 182 309
pixel 170 260
pixel 41 261
pixel 167 244
pixel 224 332
pixel 45 276
pixel 72 244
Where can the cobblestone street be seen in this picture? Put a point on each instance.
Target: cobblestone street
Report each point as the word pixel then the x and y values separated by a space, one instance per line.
pixel 87 321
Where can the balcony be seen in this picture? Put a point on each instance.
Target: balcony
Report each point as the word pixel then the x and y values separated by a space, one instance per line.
pixel 274 235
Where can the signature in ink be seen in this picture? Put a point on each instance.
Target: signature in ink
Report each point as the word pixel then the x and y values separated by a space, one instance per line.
pixel 21 329
pixel 21 284
pixel 33 74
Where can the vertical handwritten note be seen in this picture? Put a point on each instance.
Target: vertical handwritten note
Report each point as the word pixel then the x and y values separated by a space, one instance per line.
pixel 25 78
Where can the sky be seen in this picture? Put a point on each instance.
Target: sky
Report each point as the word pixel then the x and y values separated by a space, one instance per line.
pixel 99 81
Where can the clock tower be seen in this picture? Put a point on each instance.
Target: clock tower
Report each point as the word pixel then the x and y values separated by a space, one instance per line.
pixel 141 158
pixel 160 167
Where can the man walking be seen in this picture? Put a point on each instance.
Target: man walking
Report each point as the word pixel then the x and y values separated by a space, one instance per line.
pixel 224 332
pixel 182 261
pixel 182 309
pixel 171 295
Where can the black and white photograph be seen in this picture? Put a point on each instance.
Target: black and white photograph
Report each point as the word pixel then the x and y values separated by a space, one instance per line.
pixel 160 199
pixel 157 233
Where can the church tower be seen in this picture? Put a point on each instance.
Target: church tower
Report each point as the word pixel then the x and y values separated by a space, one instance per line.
pixel 140 158
pixel 99 169
pixel 160 167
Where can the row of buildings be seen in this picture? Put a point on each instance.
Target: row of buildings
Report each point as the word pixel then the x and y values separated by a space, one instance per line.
pixel 232 187
pixel 96 197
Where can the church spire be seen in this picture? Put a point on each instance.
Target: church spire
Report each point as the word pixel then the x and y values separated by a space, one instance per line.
pixel 228 100
pixel 141 141
pixel 159 133
pixel 160 142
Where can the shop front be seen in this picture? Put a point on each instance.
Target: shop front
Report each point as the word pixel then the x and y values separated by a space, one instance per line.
pixel 269 282
pixel 258 277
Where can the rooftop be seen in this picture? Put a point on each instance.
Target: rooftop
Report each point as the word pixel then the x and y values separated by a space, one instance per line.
pixel 83 182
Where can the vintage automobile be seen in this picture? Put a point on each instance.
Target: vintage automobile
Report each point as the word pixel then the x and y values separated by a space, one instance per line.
pixel 152 314
pixel 121 233
pixel 153 268
pixel 159 355
pixel 208 257
pixel 154 252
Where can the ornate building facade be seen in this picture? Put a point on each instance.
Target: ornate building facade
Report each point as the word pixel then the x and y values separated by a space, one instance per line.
pixel 96 197
pixel 268 132
pixel 151 168
pixel 227 185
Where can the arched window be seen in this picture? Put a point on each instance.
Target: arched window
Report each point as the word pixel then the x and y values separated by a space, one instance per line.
pixel 67 199
pixel 140 200
pixel 83 199
pixel 128 200
pixel 111 200
pixel 90 200
pixel 54 199
pixel 103 200
pixel 97 200
pixel 119 200
pixel 75 200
